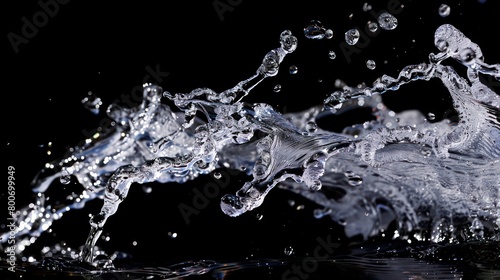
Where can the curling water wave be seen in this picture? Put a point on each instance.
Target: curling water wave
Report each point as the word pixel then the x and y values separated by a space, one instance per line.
pixel 430 181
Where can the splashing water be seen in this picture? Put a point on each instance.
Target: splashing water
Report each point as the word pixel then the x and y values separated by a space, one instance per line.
pixel 435 181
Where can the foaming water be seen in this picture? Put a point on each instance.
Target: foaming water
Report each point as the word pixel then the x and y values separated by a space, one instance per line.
pixel 401 175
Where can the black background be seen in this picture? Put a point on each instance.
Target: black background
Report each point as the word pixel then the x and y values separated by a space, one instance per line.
pixel 105 48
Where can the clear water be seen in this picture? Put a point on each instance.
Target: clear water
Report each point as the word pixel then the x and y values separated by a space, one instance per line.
pixel 402 177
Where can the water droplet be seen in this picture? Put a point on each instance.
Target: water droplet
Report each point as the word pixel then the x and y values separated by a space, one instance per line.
pixel 387 21
pixel 370 64
pixel 431 116
pixel 316 185
pixel 320 213
pixel 288 41
pixel 366 7
pixel 277 88
pixel 315 30
pixel 355 181
pixel 352 36
pixel 288 250
pixel 259 216
pixel 172 234
pixel 372 26
pixel 426 152
pixel 217 175
pixel 311 126
pixel 444 10
pixel 66 179
pixel 147 189
pixel 293 69
pixel 92 103
pixel 332 55
pixel 328 34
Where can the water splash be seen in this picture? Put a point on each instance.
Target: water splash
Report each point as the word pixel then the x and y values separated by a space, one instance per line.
pixel 434 181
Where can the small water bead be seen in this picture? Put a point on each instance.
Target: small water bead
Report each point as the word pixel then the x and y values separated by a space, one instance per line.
pixel 315 30
pixel 366 7
pixel 270 64
pixel 426 153
pixel 444 10
pixel 147 189
pixel 92 103
pixel 352 36
pixel 65 180
pixel 370 64
pixel 288 41
pixel 332 54
pixel 277 88
pixel 387 21
pixel 372 26
pixel 293 69
pixel 217 175
pixel 311 126
pixel 431 116
pixel 355 180
pixel 288 250
pixel 328 34
pixel 316 185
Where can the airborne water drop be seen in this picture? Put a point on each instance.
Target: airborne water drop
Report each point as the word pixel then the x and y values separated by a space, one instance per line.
pixel 387 21
pixel 352 36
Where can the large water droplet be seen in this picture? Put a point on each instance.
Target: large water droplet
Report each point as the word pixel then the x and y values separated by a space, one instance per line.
pixel 315 30
pixel 288 41
pixel 352 36
pixel 277 88
pixel 366 7
pixel 372 26
pixel 66 179
pixel 147 189
pixel 332 55
pixel 311 126
pixel 431 116
pixel 328 34
pixel 370 64
pixel 387 21
pixel 293 69
pixel 444 10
